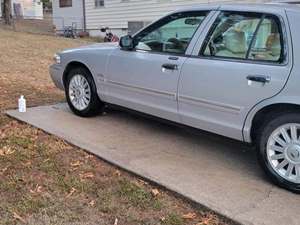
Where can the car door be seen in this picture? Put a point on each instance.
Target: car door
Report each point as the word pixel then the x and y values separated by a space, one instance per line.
pixel 146 78
pixel 240 60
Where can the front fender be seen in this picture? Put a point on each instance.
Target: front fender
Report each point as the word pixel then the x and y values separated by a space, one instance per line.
pixel 94 59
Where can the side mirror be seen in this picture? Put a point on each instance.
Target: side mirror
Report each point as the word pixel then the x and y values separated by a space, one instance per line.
pixel 127 42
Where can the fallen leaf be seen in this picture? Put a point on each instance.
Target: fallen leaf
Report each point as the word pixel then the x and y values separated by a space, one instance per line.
pixel 205 221
pixel 117 173
pixel 89 156
pixel 155 192
pixel 27 164
pixel 46 160
pixel 92 203
pixel 9 151
pixel 75 164
pixel 4 170
pixel 86 175
pixel 143 182
pixel 162 219
pixel 6 151
pixel 64 145
pixel 16 216
pixel 71 192
pixel 189 216
pixel 38 189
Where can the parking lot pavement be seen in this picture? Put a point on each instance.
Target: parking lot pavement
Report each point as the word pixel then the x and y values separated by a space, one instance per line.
pixel 216 172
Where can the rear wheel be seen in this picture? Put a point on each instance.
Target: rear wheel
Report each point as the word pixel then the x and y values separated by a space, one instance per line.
pixel 279 150
pixel 81 93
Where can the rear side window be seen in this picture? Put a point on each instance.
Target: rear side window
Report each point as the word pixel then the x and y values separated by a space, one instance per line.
pixel 245 36
pixel 267 44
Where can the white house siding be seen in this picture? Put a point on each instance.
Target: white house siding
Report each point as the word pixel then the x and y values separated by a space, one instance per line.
pixel 66 16
pixel 117 13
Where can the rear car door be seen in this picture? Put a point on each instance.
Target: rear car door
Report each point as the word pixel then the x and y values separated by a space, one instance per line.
pixel 146 78
pixel 240 60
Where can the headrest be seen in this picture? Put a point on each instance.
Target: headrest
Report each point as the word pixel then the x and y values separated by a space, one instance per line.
pixel 273 44
pixel 235 41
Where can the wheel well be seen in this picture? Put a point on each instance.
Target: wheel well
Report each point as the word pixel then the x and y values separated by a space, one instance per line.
pixel 70 66
pixel 268 113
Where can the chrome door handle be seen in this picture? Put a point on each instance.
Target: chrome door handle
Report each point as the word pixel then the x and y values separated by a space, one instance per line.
pixel 169 66
pixel 173 58
pixel 259 78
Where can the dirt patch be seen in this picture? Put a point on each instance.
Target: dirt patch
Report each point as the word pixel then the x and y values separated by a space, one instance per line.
pixel 44 180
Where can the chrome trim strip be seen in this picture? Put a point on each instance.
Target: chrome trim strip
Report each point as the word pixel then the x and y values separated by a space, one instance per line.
pixel 210 104
pixel 142 89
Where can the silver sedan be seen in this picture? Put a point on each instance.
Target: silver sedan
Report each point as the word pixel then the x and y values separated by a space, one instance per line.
pixel 233 70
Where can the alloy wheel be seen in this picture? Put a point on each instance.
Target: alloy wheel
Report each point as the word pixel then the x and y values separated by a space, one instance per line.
pixel 283 151
pixel 79 92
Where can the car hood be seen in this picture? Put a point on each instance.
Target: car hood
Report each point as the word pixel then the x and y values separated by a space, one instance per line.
pixel 97 46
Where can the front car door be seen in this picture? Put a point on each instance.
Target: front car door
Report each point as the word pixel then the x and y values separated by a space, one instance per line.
pixel 241 60
pixel 146 78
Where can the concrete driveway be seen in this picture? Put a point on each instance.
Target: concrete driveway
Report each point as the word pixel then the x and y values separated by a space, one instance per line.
pixel 214 171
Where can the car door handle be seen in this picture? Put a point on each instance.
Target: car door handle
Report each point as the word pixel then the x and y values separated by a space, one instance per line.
pixel 259 78
pixel 173 58
pixel 169 66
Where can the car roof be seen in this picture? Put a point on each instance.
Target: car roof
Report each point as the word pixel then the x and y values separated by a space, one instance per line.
pixel 255 7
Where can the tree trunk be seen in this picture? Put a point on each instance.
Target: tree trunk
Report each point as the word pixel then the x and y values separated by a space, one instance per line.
pixel 7 12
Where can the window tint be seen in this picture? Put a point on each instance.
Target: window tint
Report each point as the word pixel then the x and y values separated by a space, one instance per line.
pixel 244 36
pixel 171 34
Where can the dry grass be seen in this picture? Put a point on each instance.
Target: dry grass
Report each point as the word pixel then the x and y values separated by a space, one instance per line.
pixel 44 180
pixel 24 61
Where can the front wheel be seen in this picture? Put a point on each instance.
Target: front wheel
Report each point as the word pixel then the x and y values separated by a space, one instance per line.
pixel 81 93
pixel 279 150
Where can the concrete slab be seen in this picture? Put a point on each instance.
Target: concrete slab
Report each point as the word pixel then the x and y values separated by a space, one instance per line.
pixel 214 171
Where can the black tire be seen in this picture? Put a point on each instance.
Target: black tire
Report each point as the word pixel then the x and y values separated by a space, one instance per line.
pixel 95 105
pixel 269 126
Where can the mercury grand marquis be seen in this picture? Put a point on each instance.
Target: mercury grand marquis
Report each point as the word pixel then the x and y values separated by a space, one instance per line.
pixel 233 70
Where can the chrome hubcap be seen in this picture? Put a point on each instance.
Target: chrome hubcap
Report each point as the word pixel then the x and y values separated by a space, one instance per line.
pixel 79 92
pixel 283 151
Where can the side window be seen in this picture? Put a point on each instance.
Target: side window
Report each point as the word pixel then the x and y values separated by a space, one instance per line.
pixel 65 3
pixel 244 36
pixel 99 3
pixel 267 43
pixel 171 34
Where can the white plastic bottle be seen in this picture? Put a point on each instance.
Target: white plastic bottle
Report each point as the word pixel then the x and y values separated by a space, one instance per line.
pixel 22 104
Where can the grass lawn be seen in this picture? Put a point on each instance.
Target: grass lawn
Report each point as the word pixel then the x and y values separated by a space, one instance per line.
pixel 44 180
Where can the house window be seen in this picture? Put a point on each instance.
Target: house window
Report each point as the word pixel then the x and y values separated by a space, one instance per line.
pixel 65 3
pixel 99 3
